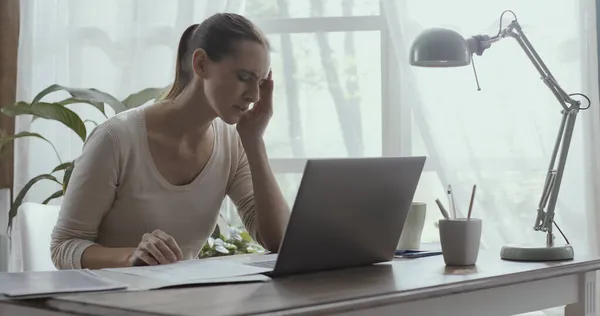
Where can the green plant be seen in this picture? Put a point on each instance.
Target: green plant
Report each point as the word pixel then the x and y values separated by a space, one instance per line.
pixel 58 111
pixel 237 242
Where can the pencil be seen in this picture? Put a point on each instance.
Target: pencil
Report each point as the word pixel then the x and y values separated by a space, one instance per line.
pixel 471 203
pixel 442 209
pixel 451 201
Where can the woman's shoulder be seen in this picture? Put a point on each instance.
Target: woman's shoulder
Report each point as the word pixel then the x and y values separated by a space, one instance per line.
pixel 121 127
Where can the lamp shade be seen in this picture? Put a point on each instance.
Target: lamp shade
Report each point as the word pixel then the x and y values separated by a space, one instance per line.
pixel 439 47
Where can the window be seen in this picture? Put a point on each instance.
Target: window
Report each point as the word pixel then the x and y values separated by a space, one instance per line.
pixel 327 59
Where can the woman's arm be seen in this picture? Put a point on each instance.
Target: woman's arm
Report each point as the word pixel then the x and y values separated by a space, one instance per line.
pixel 257 196
pixel 90 193
pixel 264 207
pixel 272 211
pixel 99 257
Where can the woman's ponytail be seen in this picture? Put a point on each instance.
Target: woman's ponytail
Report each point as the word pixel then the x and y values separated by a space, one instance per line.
pixel 182 77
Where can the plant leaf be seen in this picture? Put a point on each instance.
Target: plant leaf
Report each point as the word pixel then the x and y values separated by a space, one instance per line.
pixel 221 249
pixel 246 236
pixel 91 121
pixel 216 233
pixel 6 139
pixel 50 111
pixel 62 166
pixel 140 98
pixel 19 199
pixel 91 95
pixel 54 195
pixel 98 105
pixel 67 176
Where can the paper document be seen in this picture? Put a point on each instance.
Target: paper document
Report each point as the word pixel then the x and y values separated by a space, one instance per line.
pixel 47 283
pixel 194 271
pixel 252 278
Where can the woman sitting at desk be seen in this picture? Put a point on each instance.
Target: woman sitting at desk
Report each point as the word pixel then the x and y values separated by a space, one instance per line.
pixel 150 181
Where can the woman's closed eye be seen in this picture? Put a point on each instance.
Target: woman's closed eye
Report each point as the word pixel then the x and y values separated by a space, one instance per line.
pixel 244 77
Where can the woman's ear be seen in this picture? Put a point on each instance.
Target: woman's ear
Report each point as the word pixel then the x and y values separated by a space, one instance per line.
pixel 199 61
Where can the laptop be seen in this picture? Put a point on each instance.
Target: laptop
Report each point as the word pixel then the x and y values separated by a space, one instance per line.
pixel 348 212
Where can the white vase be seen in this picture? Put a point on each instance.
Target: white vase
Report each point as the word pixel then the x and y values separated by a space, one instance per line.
pixel 410 239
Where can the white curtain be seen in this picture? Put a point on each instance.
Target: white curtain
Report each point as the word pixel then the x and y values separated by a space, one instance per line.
pixel 116 46
pixel 501 137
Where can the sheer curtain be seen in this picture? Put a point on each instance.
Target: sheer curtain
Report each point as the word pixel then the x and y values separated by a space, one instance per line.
pixel 501 137
pixel 116 46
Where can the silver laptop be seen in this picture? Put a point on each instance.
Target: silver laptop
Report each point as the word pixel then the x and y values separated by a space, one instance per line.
pixel 348 212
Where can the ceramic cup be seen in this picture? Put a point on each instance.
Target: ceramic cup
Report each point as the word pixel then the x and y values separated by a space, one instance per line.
pixel 410 239
pixel 460 239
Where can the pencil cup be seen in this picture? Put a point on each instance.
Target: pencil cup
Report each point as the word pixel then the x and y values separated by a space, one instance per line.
pixel 460 239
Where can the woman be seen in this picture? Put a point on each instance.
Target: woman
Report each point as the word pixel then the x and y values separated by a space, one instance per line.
pixel 150 181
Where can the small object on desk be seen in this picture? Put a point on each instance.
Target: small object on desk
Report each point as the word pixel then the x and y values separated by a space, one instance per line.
pixel 426 249
pixel 412 230
pixel 442 209
pixel 471 203
pixel 420 254
pixel 460 239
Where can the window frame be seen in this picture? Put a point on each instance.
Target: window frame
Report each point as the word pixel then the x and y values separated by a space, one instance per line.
pixel 394 143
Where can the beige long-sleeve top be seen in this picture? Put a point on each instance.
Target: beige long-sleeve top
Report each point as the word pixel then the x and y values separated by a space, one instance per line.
pixel 116 194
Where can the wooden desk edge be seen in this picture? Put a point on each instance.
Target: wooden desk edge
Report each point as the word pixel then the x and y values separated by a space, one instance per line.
pixel 365 302
pixel 443 290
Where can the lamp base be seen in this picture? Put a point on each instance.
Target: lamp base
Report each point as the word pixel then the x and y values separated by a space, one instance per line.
pixel 533 253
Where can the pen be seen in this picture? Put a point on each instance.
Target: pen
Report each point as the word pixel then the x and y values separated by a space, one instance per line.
pixel 451 201
pixel 471 203
pixel 421 254
pixel 442 209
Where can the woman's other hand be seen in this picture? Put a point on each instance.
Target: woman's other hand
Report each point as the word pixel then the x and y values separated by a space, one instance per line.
pixel 155 248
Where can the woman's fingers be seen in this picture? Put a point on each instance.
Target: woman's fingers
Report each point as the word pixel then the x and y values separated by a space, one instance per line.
pixel 165 251
pixel 171 243
pixel 157 248
pixel 153 250
pixel 142 256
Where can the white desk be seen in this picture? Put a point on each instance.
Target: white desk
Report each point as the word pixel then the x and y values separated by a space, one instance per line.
pixel 423 286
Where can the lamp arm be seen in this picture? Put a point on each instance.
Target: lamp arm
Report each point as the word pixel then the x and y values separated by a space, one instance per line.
pixel 570 107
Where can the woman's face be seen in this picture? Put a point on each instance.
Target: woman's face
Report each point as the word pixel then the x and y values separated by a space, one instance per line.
pixel 232 84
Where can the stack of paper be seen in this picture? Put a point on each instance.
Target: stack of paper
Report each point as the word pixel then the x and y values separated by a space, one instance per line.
pixel 198 271
pixel 47 283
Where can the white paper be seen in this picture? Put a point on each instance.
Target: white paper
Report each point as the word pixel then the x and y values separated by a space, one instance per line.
pixel 253 278
pixel 46 283
pixel 193 271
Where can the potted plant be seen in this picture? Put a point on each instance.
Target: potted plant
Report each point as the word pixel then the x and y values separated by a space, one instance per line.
pixel 236 242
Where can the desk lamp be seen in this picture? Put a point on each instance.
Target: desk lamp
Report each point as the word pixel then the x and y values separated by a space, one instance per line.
pixel 439 47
